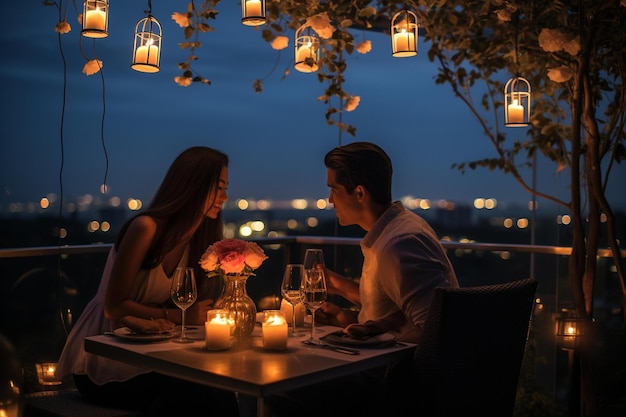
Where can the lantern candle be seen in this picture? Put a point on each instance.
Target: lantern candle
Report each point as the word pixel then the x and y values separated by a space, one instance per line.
pixel 143 55
pixel 94 19
pixel 515 112
pixel 274 330
pixel 304 52
pixel 217 330
pixel 404 41
pixel 253 8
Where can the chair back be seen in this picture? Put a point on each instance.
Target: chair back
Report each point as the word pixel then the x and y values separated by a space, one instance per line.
pixel 472 349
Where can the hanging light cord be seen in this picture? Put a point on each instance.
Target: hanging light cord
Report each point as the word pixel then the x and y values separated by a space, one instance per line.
pixel 516 23
pixel 104 188
pixel 60 211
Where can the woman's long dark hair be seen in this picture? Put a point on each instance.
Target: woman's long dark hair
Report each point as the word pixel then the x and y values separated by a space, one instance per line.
pixel 179 207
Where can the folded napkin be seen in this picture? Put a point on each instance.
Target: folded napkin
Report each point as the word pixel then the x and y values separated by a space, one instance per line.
pixel 145 326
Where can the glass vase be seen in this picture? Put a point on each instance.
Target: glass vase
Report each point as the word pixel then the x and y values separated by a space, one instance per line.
pixel 234 298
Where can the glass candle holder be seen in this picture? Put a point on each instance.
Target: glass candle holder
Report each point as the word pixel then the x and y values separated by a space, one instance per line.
pixel 274 330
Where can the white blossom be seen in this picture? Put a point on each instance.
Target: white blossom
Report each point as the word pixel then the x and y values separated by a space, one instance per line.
pixel 560 74
pixel 92 67
pixel 364 47
pixel 183 81
pixel 181 18
pixel 352 103
pixel 280 42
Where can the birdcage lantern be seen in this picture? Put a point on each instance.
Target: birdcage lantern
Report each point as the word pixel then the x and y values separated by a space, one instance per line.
pixel 307 50
pixel 404 32
pixel 95 18
pixel 147 45
pixel 253 12
pixel 517 100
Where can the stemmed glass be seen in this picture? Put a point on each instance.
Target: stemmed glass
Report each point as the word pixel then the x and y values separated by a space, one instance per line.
pixel 313 257
pixel 183 293
pixel 314 294
pixel 290 290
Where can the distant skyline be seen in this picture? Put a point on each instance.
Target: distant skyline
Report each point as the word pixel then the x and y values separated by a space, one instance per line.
pixel 276 140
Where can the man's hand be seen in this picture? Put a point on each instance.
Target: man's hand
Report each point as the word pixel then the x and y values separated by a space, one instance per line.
pixel 334 315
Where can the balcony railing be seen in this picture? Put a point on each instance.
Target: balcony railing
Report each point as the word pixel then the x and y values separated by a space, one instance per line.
pixel 44 290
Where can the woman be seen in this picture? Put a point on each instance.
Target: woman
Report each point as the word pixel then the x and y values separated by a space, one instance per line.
pixel 183 219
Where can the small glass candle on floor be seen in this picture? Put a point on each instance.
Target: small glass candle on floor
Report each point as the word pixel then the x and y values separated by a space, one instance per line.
pixel 217 330
pixel 274 330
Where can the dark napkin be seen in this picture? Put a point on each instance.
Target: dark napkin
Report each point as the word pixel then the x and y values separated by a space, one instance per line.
pixel 342 339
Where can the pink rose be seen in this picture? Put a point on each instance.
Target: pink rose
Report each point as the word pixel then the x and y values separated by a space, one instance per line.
pixel 232 256
pixel 231 253
pixel 254 255
pixel 209 260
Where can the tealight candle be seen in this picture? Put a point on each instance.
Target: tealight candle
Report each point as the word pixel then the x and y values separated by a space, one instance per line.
pixel 217 330
pixel 287 309
pixel 274 330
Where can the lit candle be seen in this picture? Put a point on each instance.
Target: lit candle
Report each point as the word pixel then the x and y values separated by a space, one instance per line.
pixel 287 309
pixel 274 330
pixel 217 330
pixel 49 371
pixel 516 112
pixel 10 410
pixel 143 55
pixel 404 41
pixel 302 53
pixel 94 19
pixel 253 8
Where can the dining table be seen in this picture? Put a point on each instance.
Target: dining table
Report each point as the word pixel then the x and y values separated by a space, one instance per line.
pixel 252 372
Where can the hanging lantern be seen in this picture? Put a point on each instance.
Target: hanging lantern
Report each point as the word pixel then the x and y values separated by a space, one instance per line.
pixel 253 12
pixel 147 46
pixel 307 50
pixel 569 331
pixel 404 29
pixel 95 19
pixel 517 102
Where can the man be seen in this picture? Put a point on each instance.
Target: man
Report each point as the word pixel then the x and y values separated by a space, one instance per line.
pixel 403 258
pixel 403 262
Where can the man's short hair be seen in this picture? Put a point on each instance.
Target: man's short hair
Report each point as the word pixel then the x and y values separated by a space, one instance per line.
pixel 365 164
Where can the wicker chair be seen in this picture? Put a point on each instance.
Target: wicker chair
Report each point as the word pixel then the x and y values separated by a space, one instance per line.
pixel 471 354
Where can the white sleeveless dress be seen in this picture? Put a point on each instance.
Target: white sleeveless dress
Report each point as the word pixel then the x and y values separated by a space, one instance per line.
pixel 152 288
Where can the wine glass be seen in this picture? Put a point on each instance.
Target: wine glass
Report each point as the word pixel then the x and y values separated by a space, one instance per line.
pixel 313 257
pixel 183 293
pixel 314 294
pixel 290 290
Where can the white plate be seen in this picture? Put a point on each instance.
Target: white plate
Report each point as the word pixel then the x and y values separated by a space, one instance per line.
pixel 126 333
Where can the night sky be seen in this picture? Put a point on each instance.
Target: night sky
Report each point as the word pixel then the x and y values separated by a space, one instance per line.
pixel 276 140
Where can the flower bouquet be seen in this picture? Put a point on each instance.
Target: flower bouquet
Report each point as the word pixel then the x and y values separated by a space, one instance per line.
pixel 232 256
pixel 235 260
